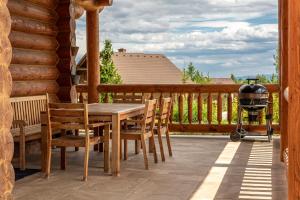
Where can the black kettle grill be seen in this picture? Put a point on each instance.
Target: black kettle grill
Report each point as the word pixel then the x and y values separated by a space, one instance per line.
pixel 253 98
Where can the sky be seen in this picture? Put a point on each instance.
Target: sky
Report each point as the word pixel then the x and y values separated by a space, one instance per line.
pixel 220 37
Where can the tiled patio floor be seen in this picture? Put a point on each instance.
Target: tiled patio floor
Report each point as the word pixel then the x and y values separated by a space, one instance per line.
pixel 202 168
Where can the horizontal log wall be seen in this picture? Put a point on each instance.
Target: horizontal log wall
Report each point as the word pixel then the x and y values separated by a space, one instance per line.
pixel 33 38
pixel 199 108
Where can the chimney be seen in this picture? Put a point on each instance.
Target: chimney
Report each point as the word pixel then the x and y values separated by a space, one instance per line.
pixel 122 50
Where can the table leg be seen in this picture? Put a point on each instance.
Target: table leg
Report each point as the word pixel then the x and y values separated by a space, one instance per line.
pixel 115 154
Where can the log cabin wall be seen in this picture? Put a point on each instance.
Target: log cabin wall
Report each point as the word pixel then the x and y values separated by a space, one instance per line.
pixel 6 140
pixel 41 40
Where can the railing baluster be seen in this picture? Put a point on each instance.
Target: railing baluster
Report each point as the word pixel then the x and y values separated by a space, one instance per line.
pixel 260 117
pixel 219 108
pixel 151 96
pixel 80 97
pixel 190 107
pixel 209 108
pixel 229 108
pixel 180 108
pixel 271 106
pixel 172 107
pixel 160 98
pixel 199 108
pixel 106 98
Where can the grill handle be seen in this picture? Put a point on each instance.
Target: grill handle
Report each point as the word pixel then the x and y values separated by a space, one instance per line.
pixel 252 79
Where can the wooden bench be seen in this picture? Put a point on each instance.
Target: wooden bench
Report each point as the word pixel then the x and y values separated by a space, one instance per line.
pixel 27 122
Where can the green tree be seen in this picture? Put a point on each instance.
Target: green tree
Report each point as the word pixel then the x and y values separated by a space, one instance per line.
pixel 193 74
pixel 109 73
pixel 232 76
pixel 275 77
pixel 185 77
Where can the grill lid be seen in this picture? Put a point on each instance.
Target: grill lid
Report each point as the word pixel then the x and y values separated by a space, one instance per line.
pixel 253 90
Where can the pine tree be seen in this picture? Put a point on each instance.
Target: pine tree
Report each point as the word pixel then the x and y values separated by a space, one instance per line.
pixel 109 73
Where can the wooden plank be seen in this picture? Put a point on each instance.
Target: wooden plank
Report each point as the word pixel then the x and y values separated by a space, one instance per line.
pixel 215 128
pixel 174 88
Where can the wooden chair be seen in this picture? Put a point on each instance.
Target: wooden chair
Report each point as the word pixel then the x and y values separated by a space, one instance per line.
pixel 143 131
pixel 131 98
pixel 70 116
pixel 27 122
pixel 163 118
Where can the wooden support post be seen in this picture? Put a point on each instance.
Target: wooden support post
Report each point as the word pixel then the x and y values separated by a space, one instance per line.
pixel 283 74
pixel 293 122
pixel 92 23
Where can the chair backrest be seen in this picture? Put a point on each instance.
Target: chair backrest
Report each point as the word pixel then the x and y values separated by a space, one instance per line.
pixel 28 109
pixel 149 114
pixel 164 111
pixel 67 116
pixel 128 98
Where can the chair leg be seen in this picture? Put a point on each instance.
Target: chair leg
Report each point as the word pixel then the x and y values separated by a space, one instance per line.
pixel 150 146
pixel 153 148
pixel 22 152
pixel 137 146
pixel 125 149
pixel 86 161
pixel 48 163
pixel 162 153
pixel 145 152
pixel 169 142
pixel 62 158
pixel 76 134
pixel 106 148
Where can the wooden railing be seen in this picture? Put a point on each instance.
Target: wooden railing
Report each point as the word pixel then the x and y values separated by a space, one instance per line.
pixel 196 108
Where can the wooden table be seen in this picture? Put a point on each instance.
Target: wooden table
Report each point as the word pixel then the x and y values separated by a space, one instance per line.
pixel 112 112
pixel 115 113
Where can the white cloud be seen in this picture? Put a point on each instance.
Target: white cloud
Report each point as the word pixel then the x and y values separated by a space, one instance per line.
pixel 225 33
